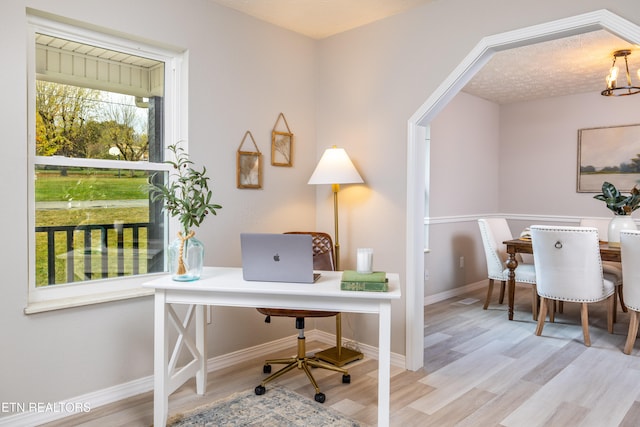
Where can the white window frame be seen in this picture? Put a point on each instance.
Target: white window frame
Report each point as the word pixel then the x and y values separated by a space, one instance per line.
pixel 60 296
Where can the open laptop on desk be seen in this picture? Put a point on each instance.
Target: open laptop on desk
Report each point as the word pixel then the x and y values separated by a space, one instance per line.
pixel 277 257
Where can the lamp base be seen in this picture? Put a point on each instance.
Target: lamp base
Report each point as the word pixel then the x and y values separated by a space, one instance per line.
pixel 346 355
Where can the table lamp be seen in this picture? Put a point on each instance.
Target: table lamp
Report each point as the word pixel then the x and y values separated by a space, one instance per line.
pixel 335 168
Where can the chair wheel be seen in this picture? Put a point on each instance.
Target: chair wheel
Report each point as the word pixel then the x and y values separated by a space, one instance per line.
pixel 266 369
pixel 319 397
pixel 346 379
pixel 260 390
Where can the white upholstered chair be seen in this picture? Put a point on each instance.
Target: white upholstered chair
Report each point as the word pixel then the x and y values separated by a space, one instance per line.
pixel 568 268
pixel 494 231
pixel 608 267
pixel 630 248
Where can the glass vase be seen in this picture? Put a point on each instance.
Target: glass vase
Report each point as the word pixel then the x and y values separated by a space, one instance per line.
pixel 186 257
pixel 619 222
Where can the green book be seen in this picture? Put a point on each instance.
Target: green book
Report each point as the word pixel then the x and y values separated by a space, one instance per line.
pixel 365 286
pixel 354 276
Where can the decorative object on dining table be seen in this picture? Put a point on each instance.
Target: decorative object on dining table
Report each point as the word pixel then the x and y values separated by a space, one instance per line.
pixel 186 195
pixel 525 234
pixel 364 260
pixel 375 281
pixel 622 206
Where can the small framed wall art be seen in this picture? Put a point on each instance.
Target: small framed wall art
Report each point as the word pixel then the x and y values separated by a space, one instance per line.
pixel 249 166
pixel 281 145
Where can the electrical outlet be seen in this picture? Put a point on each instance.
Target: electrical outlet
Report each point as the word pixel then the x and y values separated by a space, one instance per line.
pixel 426 274
pixel 461 262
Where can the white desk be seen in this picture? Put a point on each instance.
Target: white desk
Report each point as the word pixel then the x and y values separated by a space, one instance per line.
pixel 221 286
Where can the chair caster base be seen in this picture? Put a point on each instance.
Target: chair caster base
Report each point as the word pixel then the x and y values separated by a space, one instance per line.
pixel 319 397
pixel 260 390
pixel 346 379
pixel 266 369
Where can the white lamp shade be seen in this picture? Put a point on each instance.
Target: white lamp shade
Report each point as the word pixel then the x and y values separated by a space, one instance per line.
pixel 335 167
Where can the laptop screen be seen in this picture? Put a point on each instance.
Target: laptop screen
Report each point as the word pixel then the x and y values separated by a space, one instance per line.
pixel 277 257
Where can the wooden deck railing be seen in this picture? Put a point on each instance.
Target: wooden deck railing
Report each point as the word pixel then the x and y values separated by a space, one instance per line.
pixel 107 250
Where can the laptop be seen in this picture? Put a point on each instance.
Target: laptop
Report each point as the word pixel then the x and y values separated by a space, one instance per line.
pixel 277 257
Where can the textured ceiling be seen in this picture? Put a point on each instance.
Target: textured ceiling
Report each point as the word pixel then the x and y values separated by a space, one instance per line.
pixel 560 67
pixel 320 18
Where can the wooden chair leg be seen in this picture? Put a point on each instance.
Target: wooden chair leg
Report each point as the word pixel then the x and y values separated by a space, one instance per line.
pixel 621 299
pixel 584 316
pixel 611 312
pixel 552 310
pixel 560 306
pixel 615 306
pixel 541 316
pixel 534 302
pixel 503 284
pixel 488 297
pixel 633 332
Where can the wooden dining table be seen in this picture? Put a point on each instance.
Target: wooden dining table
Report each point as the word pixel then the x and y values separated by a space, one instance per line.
pixel 524 246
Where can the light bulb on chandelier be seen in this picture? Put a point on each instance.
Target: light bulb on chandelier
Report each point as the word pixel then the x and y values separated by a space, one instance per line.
pixel 613 89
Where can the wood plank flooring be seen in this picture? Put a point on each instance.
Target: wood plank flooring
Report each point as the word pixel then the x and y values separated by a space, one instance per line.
pixel 480 370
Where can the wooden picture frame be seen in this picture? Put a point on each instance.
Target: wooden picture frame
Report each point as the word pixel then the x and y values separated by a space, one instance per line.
pixel 281 148
pixel 609 154
pixel 248 166
pixel 249 169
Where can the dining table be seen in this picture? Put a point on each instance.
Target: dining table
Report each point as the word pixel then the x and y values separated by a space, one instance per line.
pixel 608 252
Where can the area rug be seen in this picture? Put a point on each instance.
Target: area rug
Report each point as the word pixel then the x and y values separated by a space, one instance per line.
pixel 278 407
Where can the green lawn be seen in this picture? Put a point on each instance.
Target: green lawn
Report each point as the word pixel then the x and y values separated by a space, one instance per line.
pixel 50 186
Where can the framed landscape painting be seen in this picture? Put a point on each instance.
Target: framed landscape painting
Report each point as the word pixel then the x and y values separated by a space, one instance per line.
pixel 609 154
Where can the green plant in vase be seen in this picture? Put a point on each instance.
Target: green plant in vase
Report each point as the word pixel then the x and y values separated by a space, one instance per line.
pixel 622 206
pixel 186 196
pixel 618 203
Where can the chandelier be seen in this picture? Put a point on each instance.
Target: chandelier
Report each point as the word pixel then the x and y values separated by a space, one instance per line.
pixel 613 89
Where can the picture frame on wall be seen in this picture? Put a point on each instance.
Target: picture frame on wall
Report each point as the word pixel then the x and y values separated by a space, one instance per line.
pixel 249 166
pixel 610 154
pixel 281 144
pixel 281 148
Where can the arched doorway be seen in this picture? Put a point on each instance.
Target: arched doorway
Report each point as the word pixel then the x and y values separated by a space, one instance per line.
pixel 418 129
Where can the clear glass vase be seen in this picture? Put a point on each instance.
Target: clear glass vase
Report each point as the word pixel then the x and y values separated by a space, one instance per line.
pixel 186 259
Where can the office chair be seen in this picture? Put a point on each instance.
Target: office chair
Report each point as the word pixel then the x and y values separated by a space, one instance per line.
pixel 323 259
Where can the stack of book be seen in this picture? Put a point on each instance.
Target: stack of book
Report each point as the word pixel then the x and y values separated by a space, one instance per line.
pixel 371 282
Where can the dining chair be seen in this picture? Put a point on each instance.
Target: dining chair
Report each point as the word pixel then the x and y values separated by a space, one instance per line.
pixel 609 267
pixel 630 253
pixel 494 231
pixel 323 259
pixel 569 269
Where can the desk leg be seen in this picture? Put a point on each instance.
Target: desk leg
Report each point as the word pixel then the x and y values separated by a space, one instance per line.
pixel 201 345
pixel 512 263
pixel 384 363
pixel 160 360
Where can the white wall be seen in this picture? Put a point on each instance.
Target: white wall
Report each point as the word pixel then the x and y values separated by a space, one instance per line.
pixel 539 151
pixel 465 154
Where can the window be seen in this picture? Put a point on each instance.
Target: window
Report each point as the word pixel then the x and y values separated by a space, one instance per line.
pixel 100 108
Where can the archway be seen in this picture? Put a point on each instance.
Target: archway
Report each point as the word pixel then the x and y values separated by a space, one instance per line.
pixel 418 129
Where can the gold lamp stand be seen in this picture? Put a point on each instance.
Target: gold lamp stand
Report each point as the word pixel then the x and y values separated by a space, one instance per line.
pixel 338 355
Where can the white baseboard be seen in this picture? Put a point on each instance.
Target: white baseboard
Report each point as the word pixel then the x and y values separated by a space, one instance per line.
pixel 432 299
pixel 42 413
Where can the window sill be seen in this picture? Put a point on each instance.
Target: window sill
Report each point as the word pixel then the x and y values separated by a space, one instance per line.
pixel 80 301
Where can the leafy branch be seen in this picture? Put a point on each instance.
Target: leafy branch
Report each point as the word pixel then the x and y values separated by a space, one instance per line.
pixel 187 194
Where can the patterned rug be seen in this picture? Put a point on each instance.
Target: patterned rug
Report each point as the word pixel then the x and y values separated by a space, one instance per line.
pixel 279 407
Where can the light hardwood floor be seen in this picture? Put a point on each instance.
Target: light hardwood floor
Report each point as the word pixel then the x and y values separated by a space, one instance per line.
pixel 480 370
